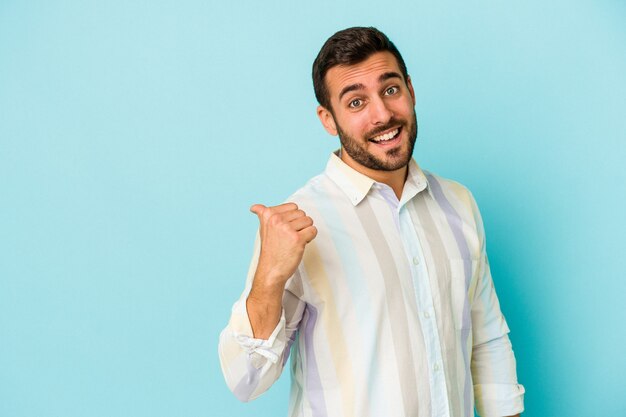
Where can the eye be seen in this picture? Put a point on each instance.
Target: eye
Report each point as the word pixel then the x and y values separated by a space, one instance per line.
pixel 391 91
pixel 355 103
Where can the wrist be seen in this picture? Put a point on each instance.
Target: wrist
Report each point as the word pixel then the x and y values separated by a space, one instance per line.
pixel 269 281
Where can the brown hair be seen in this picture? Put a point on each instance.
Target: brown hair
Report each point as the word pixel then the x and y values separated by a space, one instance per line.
pixel 348 47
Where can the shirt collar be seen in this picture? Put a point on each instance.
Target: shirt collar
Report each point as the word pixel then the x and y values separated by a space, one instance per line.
pixel 356 185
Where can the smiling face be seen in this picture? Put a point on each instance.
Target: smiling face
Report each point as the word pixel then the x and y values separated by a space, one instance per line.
pixel 372 112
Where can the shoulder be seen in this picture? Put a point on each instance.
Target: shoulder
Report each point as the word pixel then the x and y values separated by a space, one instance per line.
pixel 445 184
pixel 451 194
pixel 317 188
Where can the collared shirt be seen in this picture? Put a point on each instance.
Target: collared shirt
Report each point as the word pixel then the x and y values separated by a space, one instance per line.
pixel 392 311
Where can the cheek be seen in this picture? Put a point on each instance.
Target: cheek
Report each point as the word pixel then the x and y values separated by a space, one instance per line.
pixel 358 124
pixel 353 125
pixel 406 107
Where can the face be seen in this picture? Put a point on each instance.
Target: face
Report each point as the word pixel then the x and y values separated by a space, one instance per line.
pixel 372 112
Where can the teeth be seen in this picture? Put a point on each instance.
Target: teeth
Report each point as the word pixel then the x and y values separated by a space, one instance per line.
pixel 386 136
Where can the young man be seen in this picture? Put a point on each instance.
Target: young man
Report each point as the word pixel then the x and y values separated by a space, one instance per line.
pixel 374 275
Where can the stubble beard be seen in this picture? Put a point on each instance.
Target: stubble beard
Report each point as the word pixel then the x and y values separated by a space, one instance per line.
pixel 395 160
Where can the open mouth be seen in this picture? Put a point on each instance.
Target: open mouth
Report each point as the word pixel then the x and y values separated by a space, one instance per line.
pixel 387 137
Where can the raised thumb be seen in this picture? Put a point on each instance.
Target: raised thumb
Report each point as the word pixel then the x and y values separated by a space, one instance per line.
pixel 258 209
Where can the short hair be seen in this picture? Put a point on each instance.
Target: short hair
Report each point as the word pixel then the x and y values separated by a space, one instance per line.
pixel 349 47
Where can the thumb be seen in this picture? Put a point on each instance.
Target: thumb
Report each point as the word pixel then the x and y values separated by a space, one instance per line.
pixel 258 209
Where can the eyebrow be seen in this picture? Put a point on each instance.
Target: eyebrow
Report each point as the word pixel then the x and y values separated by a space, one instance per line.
pixel 351 87
pixel 388 75
pixel 358 86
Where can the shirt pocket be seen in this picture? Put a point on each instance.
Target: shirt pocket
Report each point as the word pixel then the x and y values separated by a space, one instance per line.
pixel 462 274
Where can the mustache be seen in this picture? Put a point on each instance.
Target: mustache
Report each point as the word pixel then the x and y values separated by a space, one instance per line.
pixel 375 132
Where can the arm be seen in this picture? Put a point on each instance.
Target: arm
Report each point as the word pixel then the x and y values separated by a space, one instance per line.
pixel 254 346
pixel 493 365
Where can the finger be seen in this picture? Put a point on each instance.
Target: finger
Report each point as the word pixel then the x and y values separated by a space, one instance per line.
pixel 301 223
pixel 292 215
pixel 258 209
pixel 309 233
pixel 282 208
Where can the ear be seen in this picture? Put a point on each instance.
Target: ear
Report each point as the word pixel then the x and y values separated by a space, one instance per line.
pixel 327 119
pixel 409 84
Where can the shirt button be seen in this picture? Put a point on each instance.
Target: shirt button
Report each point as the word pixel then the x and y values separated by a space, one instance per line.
pixel 436 367
pixel 416 260
pixel 426 314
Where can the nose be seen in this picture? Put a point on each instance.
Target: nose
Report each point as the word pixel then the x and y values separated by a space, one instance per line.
pixel 380 113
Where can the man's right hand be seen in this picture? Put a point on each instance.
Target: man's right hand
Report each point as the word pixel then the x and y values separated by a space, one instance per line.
pixel 284 230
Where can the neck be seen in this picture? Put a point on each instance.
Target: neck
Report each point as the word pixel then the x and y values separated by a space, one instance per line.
pixel 394 179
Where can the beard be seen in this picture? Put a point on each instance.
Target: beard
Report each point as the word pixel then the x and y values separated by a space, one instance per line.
pixel 396 159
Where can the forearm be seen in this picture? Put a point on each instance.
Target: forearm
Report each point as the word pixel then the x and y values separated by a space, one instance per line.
pixel 264 307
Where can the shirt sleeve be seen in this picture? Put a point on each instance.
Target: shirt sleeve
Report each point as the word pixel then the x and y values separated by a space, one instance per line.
pixel 496 391
pixel 493 367
pixel 250 366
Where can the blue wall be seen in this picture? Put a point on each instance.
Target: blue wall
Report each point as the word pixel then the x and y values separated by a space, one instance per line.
pixel 135 135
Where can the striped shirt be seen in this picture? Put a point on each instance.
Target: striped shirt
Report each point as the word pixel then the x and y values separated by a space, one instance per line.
pixel 392 311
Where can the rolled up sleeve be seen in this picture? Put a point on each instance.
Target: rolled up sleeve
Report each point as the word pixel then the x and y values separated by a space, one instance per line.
pixel 496 391
pixel 250 366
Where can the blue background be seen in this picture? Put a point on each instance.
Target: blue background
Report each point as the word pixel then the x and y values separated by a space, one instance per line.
pixel 135 135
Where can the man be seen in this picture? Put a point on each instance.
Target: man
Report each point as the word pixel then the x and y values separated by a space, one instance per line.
pixel 374 275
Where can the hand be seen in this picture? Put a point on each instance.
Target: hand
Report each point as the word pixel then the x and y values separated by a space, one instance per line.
pixel 285 230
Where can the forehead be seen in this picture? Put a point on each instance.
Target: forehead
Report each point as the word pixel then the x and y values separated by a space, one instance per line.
pixel 366 72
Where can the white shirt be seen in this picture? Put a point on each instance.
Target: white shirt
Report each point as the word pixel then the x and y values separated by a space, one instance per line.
pixel 392 311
